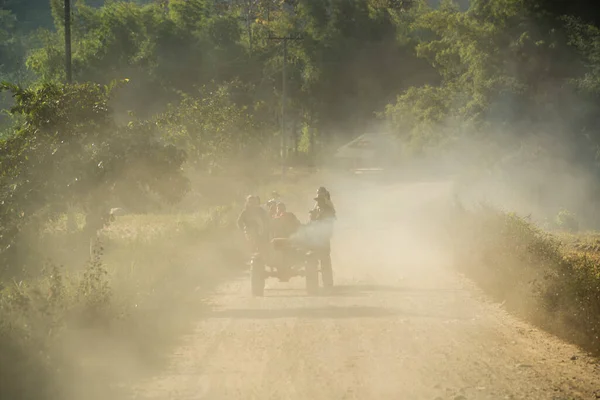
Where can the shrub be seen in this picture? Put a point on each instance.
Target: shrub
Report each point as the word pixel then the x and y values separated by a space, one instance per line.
pixel 567 220
pixel 70 152
pixel 33 320
pixel 533 272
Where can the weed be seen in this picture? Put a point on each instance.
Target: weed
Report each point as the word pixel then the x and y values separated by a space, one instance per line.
pixel 135 287
pixel 567 220
pixel 534 272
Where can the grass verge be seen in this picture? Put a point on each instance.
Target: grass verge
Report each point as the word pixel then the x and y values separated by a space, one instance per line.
pixel 73 331
pixel 552 280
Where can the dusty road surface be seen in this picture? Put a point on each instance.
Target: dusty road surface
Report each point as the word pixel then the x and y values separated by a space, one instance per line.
pixel 400 324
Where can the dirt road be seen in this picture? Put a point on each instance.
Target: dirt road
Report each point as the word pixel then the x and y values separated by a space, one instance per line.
pixel 399 325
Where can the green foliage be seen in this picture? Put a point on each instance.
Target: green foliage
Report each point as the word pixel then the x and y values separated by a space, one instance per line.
pixel 573 296
pixel 421 116
pixel 31 14
pixel 69 150
pixel 218 132
pixel 33 321
pixel 586 39
pixel 498 64
pixel 12 46
pixel 160 52
pixel 567 220
pixel 205 83
pixel 14 43
pixel 533 272
pixel 167 47
pixel 500 61
pixel 142 270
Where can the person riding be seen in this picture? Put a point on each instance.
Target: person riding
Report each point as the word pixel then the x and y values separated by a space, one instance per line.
pixel 254 222
pixel 285 223
pixel 272 208
pixel 275 196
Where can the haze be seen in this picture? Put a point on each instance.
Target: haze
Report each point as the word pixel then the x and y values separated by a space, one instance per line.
pixel 458 141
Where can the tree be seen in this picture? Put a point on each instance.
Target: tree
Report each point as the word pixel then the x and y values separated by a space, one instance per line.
pixel 498 64
pixel 221 128
pixel 70 151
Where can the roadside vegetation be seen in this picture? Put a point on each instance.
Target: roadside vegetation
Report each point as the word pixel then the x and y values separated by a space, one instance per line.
pixel 175 114
pixel 124 296
pixel 551 279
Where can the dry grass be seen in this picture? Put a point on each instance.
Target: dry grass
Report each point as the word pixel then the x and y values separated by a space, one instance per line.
pixel 74 326
pixel 64 330
pixel 551 279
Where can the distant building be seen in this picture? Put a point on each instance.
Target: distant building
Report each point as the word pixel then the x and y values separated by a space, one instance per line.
pixel 368 151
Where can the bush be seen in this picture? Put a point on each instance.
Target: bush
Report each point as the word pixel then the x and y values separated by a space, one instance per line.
pixel 131 295
pixel 567 220
pixel 137 292
pixel 70 152
pixel 220 131
pixel 33 320
pixel 533 272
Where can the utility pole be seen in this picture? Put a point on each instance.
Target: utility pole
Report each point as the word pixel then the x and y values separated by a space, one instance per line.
pixel 284 39
pixel 68 72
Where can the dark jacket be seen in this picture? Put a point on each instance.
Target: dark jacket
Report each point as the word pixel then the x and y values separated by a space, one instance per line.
pixel 285 225
pixel 254 221
pixel 322 223
pixel 324 212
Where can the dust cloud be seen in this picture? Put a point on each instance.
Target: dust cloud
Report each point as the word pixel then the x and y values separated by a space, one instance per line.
pixel 399 320
pixel 161 275
pixel 395 228
pixel 382 227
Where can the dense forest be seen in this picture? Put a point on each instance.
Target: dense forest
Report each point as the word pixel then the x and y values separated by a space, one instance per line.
pixel 198 83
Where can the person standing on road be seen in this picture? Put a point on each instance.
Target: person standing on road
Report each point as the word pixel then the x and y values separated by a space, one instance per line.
pixel 323 216
pixel 323 193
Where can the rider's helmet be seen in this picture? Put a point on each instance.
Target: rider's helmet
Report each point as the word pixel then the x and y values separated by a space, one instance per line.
pixel 252 201
pixel 281 208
